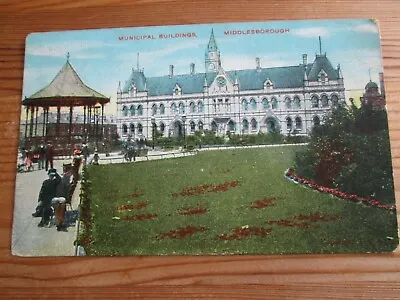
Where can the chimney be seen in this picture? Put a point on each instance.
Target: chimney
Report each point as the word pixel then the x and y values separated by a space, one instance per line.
pixel 382 84
pixel 304 59
pixel 258 65
pixel 171 71
pixel 192 69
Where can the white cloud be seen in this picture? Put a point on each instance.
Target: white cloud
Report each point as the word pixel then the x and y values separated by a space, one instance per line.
pixel 311 32
pixel 372 28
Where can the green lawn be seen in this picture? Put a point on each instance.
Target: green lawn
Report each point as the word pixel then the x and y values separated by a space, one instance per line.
pixel 340 226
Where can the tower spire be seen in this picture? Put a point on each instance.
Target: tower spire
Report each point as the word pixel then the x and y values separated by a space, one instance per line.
pixel 212 44
pixel 320 45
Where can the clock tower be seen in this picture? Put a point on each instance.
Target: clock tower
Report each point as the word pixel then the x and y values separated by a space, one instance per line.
pixel 212 57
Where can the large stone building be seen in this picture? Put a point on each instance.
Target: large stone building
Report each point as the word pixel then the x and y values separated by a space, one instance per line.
pixel 287 99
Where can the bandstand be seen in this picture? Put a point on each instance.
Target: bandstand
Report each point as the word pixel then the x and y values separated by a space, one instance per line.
pixel 66 90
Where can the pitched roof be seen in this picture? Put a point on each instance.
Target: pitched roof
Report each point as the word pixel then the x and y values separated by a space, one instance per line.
pixel 66 83
pixel 249 79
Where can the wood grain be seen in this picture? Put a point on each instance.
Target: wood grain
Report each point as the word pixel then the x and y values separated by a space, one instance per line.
pixel 301 277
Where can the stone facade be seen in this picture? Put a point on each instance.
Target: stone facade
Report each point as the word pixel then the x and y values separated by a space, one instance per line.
pixel 288 99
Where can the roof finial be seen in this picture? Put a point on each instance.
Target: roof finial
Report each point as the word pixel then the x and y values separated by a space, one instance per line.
pixel 369 72
pixel 67 56
pixel 320 46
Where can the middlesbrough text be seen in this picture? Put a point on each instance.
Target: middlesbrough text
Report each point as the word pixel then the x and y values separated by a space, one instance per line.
pixel 256 31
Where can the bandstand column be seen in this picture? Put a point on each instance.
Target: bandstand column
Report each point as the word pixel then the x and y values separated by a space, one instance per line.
pixel 84 123
pixel 89 121
pixel 31 123
pixel 26 122
pixel 47 121
pixel 102 123
pixel 44 121
pixel 36 120
pixel 70 124
pixel 58 120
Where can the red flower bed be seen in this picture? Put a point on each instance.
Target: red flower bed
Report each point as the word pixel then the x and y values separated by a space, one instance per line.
pixel 266 202
pixel 335 192
pixel 181 232
pixel 304 221
pixel 140 217
pixel 135 194
pixel 190 211
pixel 138 205
pixel 244 232
pixel 206 188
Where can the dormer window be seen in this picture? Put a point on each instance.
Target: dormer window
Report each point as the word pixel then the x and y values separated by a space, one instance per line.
pixel 177 90
pixel 133 89
pixel 322 76
pixel 268 84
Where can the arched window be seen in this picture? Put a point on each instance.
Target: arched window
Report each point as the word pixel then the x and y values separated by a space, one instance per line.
pixel 214 105
pixel 297 102
pixel 253 104
pixel 299 123
pixel 245 104
pixel 174 108
pixel 253 124
pixel 162 109
pixel 182 108
pixel 200 124
pixel 132 128
pixel 154 110
pixel 162 127
pixel 231 126
pixel 274 103
pixel 324 101
pixel 214 126
pixel 314 101
pixel 289 123
pixel 192 126
pixel 200 106
pixel 124 111
pixel 334 100
pixel 265 103
pixel 245 125
pixel 140 110
pixel 316 121
pixel 192 108
pixel 288 102
pixel 132 110
pixel 140 128
pixel 124 129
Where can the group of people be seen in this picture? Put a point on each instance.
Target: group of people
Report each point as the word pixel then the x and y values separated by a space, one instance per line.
pixel 44 155
pixel 54 195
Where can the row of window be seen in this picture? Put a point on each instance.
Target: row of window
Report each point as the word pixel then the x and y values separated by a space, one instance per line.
pixel 289 103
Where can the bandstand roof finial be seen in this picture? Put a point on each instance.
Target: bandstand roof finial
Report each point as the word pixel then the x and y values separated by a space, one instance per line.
pixel 67 56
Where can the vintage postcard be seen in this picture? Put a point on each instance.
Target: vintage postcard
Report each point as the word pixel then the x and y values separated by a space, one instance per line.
pixel 212 139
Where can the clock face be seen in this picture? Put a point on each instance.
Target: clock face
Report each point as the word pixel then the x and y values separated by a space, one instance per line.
pixel 211 67
pixel 221 81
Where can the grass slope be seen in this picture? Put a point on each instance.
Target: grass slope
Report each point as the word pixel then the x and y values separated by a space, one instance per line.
pixel 260 174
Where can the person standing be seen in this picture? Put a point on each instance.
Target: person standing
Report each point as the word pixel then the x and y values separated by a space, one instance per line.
pixel 42 152
pixel 49 156
pixel 85 153
pixel 46 195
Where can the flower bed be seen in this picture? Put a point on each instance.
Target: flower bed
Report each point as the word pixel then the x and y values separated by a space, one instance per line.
pixel 140 217
pixel 305 221
pixel 206 188
pixel 290 174
pixel 190 211
pixel 243 232
pixel 138 205
pixel 266 202
pixel 181 232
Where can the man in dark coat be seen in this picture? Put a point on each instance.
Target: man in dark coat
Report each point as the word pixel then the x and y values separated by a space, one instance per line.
pixel 63 196
pixel 49 156
pixel 47 193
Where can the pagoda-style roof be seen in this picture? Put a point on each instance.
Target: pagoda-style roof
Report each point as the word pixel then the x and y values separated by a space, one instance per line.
pixel 66 89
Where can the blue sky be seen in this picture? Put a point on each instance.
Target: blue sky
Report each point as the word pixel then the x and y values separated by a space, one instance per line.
pixel 102 60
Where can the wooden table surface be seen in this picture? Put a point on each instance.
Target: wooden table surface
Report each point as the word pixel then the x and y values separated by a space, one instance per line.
pixel 313 276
